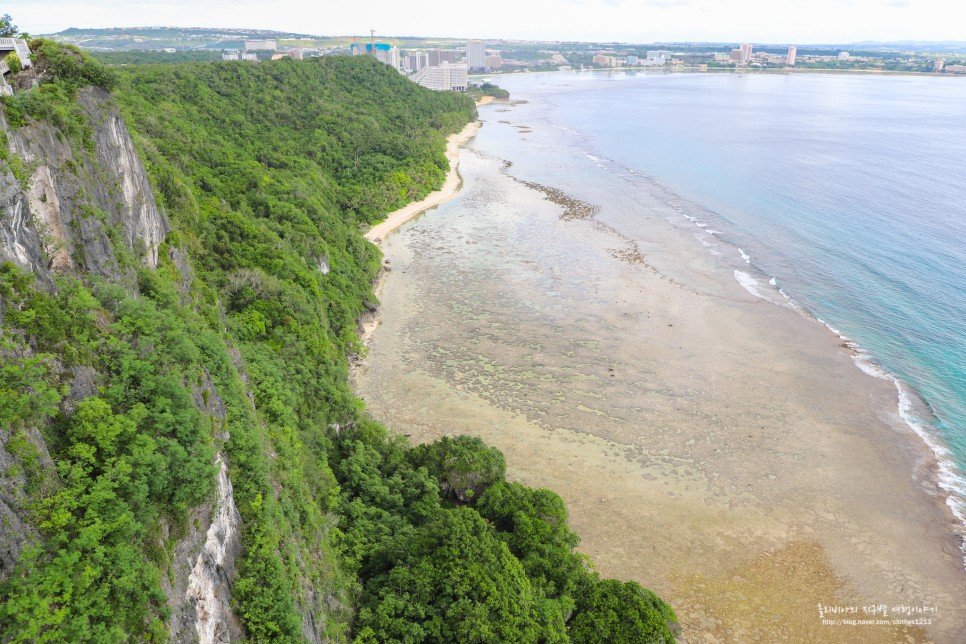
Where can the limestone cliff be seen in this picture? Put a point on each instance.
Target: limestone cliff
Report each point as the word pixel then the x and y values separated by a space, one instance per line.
pixel 76 208
pixel 70 207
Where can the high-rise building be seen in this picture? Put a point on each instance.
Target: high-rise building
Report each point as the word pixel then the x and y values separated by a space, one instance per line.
pixel 381 51
pixel 476 54
pixel 494 62
pixel 416 61
pixel 736 55
pixel 745 52
pixel 444 77
pixel 390 56
pixel 792 52
pixel 939 65
pixel 603 60
pixel 437 57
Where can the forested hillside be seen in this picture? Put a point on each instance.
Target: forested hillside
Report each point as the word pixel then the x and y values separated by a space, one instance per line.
pixel 130 377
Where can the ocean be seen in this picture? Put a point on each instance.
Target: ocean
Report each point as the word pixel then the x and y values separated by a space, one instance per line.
pixel 841 195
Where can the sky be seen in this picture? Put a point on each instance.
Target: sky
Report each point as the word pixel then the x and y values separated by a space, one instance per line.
pixel 761 21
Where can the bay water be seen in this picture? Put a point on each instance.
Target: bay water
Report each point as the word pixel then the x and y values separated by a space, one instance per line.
pixel 841 195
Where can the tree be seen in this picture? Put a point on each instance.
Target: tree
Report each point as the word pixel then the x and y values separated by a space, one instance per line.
pixel 533 523
pixel 7 28
pixel 622 612
pixel 15 66
pixel 452 581
pixel 465 466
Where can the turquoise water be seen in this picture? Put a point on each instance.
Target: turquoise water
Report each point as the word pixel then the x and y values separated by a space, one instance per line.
pixel 846 192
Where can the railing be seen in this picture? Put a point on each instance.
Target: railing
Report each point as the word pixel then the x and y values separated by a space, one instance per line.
pixel 6 90
pixel 23 51
pixel 4 67
pixel 18 45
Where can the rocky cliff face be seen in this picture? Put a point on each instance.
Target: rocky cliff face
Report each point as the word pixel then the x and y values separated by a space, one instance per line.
pixel 15 529
pixel 203 567
pixel 72 208
pixel 211 577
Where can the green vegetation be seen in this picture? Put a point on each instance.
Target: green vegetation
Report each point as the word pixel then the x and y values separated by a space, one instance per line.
pixel 268 173
pixel 486 89
pixel 13 63
pixel 59 70
pixel 143 57
pixel 447 550
pixel 183 38
pixel 137 451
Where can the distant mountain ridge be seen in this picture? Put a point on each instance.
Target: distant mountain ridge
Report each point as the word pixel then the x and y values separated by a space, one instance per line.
pixel 154 30
pixel 147 37
pixel 935 46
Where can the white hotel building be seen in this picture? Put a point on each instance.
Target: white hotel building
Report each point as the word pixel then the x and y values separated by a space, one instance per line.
pixel 444 77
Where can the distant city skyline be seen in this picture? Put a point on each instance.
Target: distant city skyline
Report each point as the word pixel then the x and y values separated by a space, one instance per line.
pixel 761 21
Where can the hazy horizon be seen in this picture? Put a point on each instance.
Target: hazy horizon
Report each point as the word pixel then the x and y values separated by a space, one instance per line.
pixel 797 22
pixel 432 37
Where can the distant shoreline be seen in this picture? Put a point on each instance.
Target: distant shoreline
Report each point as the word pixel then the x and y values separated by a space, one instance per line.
pixel 722 70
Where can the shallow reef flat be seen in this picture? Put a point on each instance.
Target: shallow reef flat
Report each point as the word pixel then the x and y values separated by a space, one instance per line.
pixel 720 449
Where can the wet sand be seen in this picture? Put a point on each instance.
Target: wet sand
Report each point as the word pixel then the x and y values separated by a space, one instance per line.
pixel 718 448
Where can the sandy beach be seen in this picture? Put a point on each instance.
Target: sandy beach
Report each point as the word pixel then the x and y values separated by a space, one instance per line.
pixel 449 189
pixel 720 449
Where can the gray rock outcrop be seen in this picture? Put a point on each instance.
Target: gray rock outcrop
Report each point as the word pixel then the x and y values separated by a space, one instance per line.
pixel 86 206
pixel 210 581
pixel 68 202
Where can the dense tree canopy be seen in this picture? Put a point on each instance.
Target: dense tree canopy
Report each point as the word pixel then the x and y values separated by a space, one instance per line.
pixel 268 174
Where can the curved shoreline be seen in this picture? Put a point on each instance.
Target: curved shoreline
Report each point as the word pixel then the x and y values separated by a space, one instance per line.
pixel 369 321
pixel 449 189
pixel 696 462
